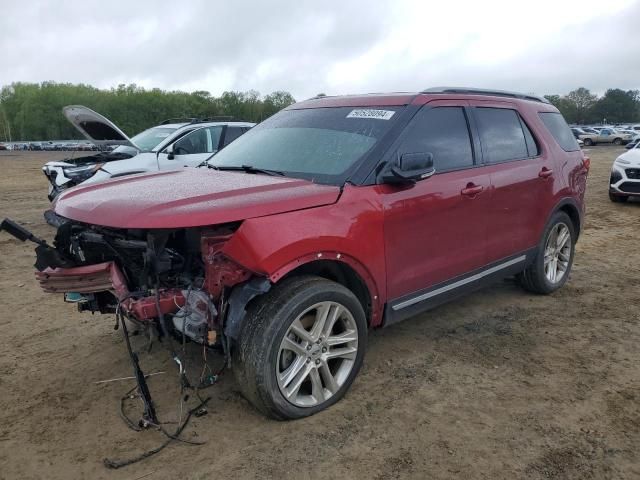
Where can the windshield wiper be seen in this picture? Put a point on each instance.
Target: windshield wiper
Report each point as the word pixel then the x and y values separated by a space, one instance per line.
pixel 247 169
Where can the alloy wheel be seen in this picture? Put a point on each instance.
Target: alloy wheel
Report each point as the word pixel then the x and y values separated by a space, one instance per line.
pixel 557 253
pixel 317 354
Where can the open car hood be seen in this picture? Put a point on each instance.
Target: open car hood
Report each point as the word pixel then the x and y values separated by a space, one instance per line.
pixel 191 197
pixel 100 130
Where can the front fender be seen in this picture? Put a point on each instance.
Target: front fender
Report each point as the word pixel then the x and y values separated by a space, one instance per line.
pixel 349 231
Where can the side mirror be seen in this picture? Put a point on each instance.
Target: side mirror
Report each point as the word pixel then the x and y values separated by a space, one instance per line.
pixel 170 152
pixel 410 168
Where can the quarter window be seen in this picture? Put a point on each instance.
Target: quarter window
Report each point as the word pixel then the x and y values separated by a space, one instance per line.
pixel 560 130
pixel 443 132
pixel 503 136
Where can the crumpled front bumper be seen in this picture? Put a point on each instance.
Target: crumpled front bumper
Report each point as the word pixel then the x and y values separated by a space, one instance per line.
pixel 107 277
pixel 86 279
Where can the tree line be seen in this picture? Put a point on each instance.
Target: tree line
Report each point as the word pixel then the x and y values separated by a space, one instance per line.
pixel 33 111
pixel 583 107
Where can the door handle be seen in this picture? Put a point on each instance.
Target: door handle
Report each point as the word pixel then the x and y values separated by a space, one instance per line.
pixel 545 172
pixel 471 189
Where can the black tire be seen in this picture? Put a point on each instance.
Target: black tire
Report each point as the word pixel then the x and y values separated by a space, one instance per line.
pixel 617 141
pixel 618 198
pixel 255 356
pixel 588 142
pixel 533 279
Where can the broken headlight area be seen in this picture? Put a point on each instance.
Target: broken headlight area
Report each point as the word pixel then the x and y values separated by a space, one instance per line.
pixel 81 173
pixel 146 275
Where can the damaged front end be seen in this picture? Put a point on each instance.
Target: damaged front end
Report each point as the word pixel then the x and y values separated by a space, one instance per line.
pixel 147 275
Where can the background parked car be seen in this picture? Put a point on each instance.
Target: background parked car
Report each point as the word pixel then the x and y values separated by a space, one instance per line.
pixel 633 143
pixel 164 147
pixel 605 135
pixel 585 137
pixel 577 131
pixel 625 176
pixel 627 131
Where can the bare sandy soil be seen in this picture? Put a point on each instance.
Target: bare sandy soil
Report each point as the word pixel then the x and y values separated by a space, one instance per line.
pixel 502 384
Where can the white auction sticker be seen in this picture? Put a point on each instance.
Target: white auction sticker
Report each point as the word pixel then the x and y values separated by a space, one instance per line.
pixel 379 114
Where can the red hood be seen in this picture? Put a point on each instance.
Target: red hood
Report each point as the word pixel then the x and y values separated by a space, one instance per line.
pixel 190 197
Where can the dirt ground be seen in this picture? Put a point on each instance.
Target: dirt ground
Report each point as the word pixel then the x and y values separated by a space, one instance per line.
pixel 502 384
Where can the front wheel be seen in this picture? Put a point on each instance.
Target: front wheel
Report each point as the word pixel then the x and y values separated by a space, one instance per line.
pixel 301 346
pixel 554 257
pixel 588 142
pixel 618 141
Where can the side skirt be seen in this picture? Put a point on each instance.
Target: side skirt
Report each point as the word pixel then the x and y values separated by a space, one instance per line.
pixel 415 303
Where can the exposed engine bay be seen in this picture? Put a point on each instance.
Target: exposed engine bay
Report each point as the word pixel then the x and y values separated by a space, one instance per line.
pixel 145 274
pixel 122 153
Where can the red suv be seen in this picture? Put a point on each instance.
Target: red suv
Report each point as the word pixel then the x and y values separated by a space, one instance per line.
pixel 336 215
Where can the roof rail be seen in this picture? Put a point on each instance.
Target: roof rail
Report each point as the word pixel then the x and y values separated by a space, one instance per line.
pixel 318 96
pixel 178 120
pixel 219 118
pixel 482 91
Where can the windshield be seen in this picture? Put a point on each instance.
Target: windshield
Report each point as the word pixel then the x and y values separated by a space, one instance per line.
pixel 319 144
pixel 149 139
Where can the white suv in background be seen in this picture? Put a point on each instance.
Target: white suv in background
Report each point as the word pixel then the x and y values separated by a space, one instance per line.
pixel 625 176
pixel 165 147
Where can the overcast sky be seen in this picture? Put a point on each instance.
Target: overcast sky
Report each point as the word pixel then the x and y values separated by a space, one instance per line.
pixel 335 47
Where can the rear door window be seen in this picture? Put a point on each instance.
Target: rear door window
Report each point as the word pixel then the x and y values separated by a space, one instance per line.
pixel 502 135
pixel 231 134
pixel 560 130
pixel 203 140
pixel 443 132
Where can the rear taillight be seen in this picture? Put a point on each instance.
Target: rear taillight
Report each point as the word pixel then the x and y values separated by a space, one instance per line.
pixel 586 162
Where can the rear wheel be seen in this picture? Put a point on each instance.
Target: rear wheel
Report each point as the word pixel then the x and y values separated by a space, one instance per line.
pixel 618 198
pixel 301 346
pixel 554 257
pixel 617 141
